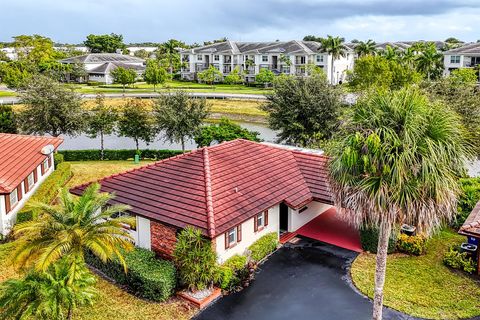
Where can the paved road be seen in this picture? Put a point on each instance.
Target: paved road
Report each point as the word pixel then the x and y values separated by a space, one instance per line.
pixel 299 283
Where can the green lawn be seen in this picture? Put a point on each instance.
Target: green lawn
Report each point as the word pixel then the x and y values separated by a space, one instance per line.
pixel 112 302
pixel 423 286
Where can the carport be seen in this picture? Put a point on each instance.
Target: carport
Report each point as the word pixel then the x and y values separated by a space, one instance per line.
pixel 329 228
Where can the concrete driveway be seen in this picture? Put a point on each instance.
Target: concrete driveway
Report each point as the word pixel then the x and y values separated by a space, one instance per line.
pixel 304 281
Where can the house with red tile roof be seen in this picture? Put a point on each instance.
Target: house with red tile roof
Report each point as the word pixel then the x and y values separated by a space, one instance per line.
pixel 234 192
pixel 25 162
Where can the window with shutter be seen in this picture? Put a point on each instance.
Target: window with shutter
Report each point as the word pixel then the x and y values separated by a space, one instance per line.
pixel 7 203
pixel 26 186
pixel 265 213
pixel 231 238
pixel 19 192
pixel 35 176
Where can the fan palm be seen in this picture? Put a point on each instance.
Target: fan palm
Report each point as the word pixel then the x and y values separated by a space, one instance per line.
pixel 365 48
pixel 335 47
pixel 70 228
pixel 397 161
pixel 430 61
pixel 47 295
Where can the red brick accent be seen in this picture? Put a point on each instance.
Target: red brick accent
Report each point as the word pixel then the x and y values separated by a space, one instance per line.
pixel 163 239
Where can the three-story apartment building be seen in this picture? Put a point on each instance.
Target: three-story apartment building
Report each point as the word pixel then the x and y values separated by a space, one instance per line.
pixel 291 57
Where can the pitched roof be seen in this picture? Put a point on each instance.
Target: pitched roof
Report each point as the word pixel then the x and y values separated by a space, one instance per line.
pixel 218 187
pixel 109 66
pixel 469 48
pixel 102 58
pixel 19 155
pixel 472 224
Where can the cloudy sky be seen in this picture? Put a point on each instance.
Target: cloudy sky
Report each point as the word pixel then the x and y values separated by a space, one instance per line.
pixel 243 20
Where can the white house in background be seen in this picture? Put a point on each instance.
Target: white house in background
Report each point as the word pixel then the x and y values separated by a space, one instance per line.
pixel 466 56
pixel 100 65
pixel 291 57
pixel 234 192
pixel 25 162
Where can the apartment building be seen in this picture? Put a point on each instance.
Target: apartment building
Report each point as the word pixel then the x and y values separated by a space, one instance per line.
pixel 467 56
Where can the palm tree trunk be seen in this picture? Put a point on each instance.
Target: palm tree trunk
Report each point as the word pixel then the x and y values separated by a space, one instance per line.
pixel 380 269
pixel 332 69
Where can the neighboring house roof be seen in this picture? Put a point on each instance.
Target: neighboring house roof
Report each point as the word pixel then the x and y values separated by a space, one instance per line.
pixel 470 48
pixel 19 156
pixel 103 58
pixel 216 188
pixel 109 66
pixel 400 45
pixel 472 224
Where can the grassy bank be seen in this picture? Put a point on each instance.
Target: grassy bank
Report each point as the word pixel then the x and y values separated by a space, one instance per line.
pixel 423 286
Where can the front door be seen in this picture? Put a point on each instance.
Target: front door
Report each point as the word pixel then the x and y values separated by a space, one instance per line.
pixel 283 217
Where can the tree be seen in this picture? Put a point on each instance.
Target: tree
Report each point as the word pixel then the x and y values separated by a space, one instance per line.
pixel 49 295
pixel 104 43
pixel 312 38
pixel 430 62
pixel 169 51
pixel 365 48
pixel 154 74
pixel 8 122
pixel 305 110
pixel 464 76
pixel 335 47
pixel 124 76
pixel 35 49
pixel 77 71
pixel 50 108
pixel 178 116
pixel 396 162
pixel 68 229
pixel 142 54
pixel 265 76
pixel 136 122
pixel 101 121
pixel 234 77
pixel 225 130
pixel 15 74
pixel 391 53
pixel 210 75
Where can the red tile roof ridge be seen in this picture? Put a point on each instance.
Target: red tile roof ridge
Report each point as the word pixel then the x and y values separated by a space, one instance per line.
pixel 208 192
pixel 30 136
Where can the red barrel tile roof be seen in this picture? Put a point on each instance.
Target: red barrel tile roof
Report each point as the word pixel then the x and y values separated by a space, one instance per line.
pixel 19 155
pixel 218 187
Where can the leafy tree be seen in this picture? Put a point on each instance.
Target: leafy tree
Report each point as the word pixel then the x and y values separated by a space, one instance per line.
pixel 101 121
pixel 4 57
pixel 14 74
pixel 430 62
pixel 154 74
pixel 210 75
pixel 8 122
pixel 397 162
pixel 464 76
pixel 50 108
pixel 35 49
pixel 168 51
pixel 312 38
pixel 234 77
pixel 124 76
pixel 142 54
pixel 335 47
pixel 195 259
pixel 305 110
pixel 104 43
pixel 365 48
pixel 77 71
pixel 136 122
pixel 47 295
pixel 265 76
pixel 178 116
pixel 225 130
pixel 206 43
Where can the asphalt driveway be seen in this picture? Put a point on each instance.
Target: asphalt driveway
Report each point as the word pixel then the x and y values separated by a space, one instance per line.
pixel 306 281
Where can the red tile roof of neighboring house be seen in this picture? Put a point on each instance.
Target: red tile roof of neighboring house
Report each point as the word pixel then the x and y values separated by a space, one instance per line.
pixel 218 187
pixel 19 155
pixel 472 224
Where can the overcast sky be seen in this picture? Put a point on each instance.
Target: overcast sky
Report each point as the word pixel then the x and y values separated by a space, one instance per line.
pixel 243 20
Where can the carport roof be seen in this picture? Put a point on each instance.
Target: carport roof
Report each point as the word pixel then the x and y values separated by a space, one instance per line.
pixel 216 188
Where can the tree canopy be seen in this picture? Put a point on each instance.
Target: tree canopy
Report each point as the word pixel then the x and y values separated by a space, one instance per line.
pixel 104 43
pixel 225 130
pixel 154 74
pixel 124 76
pixel 136 122
pixel 101 121
pixel 8 123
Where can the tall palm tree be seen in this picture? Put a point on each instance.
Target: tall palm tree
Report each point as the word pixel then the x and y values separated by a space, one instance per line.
pixel 408 56
pixel 430 61
pixel 335 47
pixel 397 162
pixel 391 53
pixel 70 228
pixel 170 49
pixel 363 48
pixel 47 295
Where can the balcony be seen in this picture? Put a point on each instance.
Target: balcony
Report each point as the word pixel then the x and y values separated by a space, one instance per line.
pixel 199 67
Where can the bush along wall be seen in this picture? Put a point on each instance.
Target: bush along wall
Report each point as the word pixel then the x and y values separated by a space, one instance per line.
pixel 369 239
pixel 459 260
pixel 147 276
pixel 48 190
pixel 124 154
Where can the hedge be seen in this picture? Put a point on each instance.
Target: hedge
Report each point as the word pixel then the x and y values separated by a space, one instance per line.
pixel 124 154
pixel 413 245
pixel 229 272
pixel 263 246
pixel 369 239
pixel 48 190
pixel 147 276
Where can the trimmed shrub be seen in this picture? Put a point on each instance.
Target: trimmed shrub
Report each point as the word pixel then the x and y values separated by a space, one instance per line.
pixel 263 246
pixel 459 260
pixel 236 262
pixel 57 159
pixel 230 272
pixel 413 245
pixel 124 154
pixel 369 239
pixel 147 276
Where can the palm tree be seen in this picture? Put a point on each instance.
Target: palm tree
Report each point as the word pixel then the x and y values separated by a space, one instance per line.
pixel 408 56
pixel 430 61
pixel 47 295
pixel 391 53
pixel 169 48
pixel 335 47
pixel 365 48
pixel 70 228
pixel 397 161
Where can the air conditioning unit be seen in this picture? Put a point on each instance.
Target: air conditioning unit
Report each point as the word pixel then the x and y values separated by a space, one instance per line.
pixel 48 149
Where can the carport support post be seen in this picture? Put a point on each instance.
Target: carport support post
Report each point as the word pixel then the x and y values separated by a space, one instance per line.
pixel 381 268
